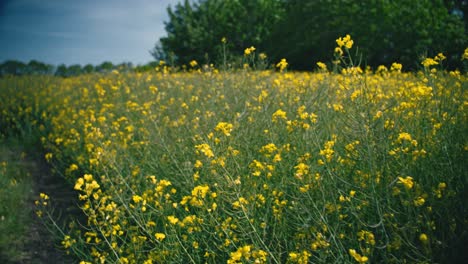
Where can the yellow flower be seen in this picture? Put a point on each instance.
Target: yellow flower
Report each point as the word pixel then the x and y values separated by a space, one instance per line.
pixel 396 67
pixel 419 201
pixel 269 148
pixel 279 114
pixel 48 156
pixel 200 191
pixel 205 149
pixel 245 250
pixel 293 256
pixel 44 196
pixel 442 185
pixel 137 198
pixel 224 128
pixel 322 66
pixel 407 182
pixel 193 63
pixel 68 242
pixel 465 55
pixel 160 236
pixel 73 167
pixel 404 136
pixel 347 42
pixel 88 177
pixel 79 183
pixel 248 51
pixel 423 238
pixel 357 256
pixel 440 57
pixel 339 51
pixel 172 219
pixel 282 65
pixel 429 62
pixel 198 164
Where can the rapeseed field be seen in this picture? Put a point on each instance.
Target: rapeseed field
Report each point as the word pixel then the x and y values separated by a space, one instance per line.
pixel 341 165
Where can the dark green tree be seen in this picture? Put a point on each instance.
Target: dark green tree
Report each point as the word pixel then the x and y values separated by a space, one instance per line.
pixel 384 31
pixel 304 31
pixel 74 70
pixel 37 67
pixel 12 67
pixel 88 68
pixel 62 70
pixel 194 30
pixel 106 66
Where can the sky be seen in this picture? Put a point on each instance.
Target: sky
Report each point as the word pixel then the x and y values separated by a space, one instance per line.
pixel 81 31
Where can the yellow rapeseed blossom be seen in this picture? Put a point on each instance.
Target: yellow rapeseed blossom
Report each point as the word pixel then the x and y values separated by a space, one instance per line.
pixel 48 156
pixel 205 149
pixel 279 114
pixel 224 128
pixel 339 52
pixel 282 65
pixel 67 242
pixel 429 62
pixel 346 41
pixel 404 136
pixel 137 198
pixel 79 183
pixel 423 238
pixel 407 182
pixel 88 177
pixel 357 256
pixel 160 236
pixel 44 196
pixel 200 191
pixel 73 167
pixel 322 66
pixel 440 57
pixel 248 51
pixel 193 63
pixel 419 201
pixel 396 67
pixel 465 54
pixel 172 219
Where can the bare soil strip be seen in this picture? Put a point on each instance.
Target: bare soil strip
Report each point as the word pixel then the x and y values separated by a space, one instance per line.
pixel 40 245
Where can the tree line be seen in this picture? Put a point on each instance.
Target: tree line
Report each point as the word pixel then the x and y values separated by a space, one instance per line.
pixel 34 67
pixel 304 31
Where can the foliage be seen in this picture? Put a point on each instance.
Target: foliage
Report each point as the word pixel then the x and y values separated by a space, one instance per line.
pixel 14 67
pixel 302 31
pixel 195 30
pixel 387 31
pixel 18 68
pixel 257 166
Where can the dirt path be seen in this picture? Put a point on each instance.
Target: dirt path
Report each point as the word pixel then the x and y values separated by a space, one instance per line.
pixel 39 245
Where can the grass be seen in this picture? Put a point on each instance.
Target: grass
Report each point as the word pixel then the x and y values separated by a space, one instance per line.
pixel 16 193
pixel 254 166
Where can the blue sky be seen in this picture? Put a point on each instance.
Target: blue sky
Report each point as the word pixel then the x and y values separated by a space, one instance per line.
pixel 81 31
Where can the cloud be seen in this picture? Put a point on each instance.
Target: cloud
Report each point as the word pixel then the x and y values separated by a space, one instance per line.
pixel 85 31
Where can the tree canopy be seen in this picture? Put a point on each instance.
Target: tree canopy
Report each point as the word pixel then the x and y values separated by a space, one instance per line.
pixel 303 31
